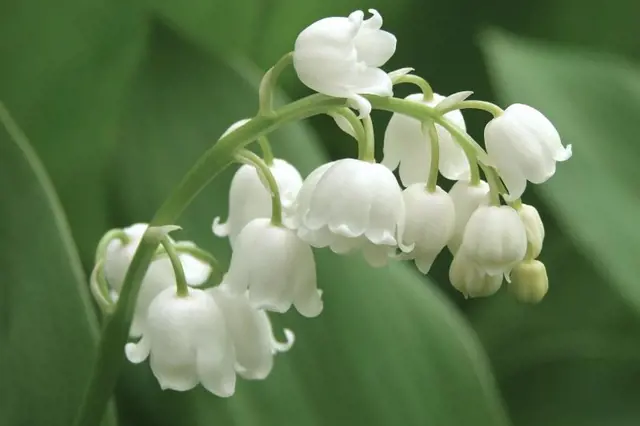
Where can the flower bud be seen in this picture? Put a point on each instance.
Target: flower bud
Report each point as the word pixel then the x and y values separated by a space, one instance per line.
pixel 529 281
pixel 535 230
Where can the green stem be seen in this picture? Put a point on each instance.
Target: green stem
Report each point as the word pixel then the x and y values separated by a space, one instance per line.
pixel 432 181
pixel 263 170
pixel 353 121
pixel 107 238
pixel 368 151
pixel 182 288
pixel 492 109
pixel 267 152
pixel 420 111
pixel 110 353
pixel 269 83
pixel 494 184
pixel 427 91
pixel 203 256
pixel 100 289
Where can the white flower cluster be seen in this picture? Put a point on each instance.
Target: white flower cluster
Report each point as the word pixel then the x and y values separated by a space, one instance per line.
pixel 208 335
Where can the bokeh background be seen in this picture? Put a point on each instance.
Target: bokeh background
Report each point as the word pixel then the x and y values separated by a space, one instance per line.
pixel 119 98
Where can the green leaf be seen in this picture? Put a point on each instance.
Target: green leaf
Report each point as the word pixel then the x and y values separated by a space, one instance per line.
pixel 65 69
pixel 47 327
pixel 593 100
pixel 388 349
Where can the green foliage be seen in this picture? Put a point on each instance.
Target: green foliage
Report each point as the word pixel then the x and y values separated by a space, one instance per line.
pixel 48 330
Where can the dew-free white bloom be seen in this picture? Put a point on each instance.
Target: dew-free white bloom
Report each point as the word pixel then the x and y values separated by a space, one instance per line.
pixel 534 227
pixel 341 57
pixel 430 219
pixel 159 276
pixel 408 147
pixel 276 267
pixel 466 199
pixel 471 280
pixel 187 341
pixel 494 239
pixel 251 332
pixel 351 204
pixel 249 198
pixel 524 146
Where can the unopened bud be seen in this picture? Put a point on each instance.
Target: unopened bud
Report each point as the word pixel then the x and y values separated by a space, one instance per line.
pixel 535 230
pixel 529 281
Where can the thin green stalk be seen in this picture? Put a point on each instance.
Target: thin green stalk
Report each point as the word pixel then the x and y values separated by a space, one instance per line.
pixel 182 288
pixel 420 112
pixel 368 151
pixel 267 152
pixel 111 235
pixel 269 83
pixel 249 157
pixel 494 184
pixel 489 107
pixel 100 289
pixel 432 181
pixel 427 91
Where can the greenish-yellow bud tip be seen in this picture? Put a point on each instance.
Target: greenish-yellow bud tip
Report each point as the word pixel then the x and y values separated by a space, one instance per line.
pixel 529 281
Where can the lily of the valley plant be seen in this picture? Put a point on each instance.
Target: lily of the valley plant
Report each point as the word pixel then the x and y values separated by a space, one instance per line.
pixel 170 302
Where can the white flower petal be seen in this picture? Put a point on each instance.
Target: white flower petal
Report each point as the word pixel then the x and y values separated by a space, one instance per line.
pixel 453 99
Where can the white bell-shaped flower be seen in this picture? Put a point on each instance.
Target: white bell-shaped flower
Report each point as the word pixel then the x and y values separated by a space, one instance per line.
pixel 249 198
pixel 187 341
pixel 494 239
pixel 408 147
pixel 535 229
pixel 276 267
pixel 352 204
pixel 159 275
pixel 430 221
pixel 466 199
pixel 251 332
pixel 341 57
pixel 470 280
pixel 524 146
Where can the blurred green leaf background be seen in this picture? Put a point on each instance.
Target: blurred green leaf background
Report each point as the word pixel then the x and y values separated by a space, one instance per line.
pixel 118 98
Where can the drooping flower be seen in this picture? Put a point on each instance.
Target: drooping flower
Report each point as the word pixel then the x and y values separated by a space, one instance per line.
pixel 408 147
pixel 471 280
pixel 276 267
pixel 524 146
pixel 249 198
pixel 466 199
pixel 159 276
pixel 430 219
pixel 341 57
pixel 352 204
pixel 187 341
pixel 251 332
pixel 529 281
pixel 535 229
pixel 494 239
